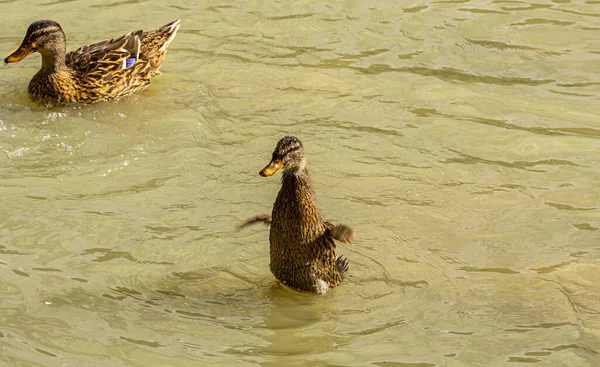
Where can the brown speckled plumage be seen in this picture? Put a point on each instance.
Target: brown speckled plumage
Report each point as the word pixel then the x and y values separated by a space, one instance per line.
pixel 96 72
pixel 302 244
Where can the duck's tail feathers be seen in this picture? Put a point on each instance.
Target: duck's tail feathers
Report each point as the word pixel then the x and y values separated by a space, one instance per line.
pixel 342 264
pixel 260 218
pixel 170 30
pixel 155 44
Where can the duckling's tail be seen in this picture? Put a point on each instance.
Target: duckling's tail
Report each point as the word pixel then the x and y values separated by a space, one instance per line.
pixel 342 264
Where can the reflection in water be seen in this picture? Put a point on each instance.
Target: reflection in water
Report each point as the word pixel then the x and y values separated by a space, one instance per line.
pixel 290 320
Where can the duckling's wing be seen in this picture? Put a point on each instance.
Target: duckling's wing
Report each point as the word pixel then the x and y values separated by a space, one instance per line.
pixel 102 59
pixel 259 218
pixel 340 232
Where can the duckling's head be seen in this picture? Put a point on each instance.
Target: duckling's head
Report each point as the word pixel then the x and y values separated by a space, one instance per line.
pixel 43 36
pixel 289 155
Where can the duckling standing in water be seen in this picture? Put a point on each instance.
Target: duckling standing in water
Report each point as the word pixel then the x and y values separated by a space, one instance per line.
pixel 302 244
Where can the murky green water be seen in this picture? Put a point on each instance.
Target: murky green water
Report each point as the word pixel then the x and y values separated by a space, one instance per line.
pixel 461 140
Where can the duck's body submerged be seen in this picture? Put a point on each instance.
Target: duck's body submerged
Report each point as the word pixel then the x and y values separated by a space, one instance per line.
pixel 302 247
pixel 92 73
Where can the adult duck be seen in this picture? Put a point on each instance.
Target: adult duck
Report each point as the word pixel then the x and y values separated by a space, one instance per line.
pixel 92 73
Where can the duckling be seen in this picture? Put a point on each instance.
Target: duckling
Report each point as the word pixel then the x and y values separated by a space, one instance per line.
pixel 302 247
pixel 93 73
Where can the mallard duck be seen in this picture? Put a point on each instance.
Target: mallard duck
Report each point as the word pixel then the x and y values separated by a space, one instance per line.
pixel 92 73
pixel 302 243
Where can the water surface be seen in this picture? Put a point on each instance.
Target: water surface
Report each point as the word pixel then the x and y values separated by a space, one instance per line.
pixel 459 138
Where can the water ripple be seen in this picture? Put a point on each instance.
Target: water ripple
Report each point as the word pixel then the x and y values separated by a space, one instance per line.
pixel 452 75
pixel 524 165
pixel 482 11
pixel 577 131
pixel 488 270
pixel 119 3
pixel 595 15
pixel 291 16
pixel 526 7
pixel 537 21
pixel 508 46
pixel 403 364
pixel 143 342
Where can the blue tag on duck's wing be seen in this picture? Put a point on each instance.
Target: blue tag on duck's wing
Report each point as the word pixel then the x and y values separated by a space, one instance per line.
pixel 130 61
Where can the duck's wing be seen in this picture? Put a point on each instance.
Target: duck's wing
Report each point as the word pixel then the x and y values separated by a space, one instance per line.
pixel 101 60
pixel 259 218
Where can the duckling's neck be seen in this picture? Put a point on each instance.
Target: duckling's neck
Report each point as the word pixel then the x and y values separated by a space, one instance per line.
pixel 295 214
pixel 297 194
pixel 53 60
pixel 297 181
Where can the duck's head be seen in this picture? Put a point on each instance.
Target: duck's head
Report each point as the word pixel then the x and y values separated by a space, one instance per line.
pixel 288 154
pixel 43 36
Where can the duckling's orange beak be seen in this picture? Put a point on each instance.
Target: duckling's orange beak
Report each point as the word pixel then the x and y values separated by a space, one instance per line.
pixel 22 52
pixel 272 168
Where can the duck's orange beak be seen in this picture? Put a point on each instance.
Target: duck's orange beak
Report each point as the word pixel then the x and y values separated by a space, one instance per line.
pixel 22 52
pixel 272 168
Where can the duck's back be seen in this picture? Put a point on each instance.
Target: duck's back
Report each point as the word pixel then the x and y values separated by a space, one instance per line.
pixel 119 66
